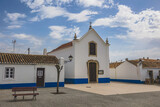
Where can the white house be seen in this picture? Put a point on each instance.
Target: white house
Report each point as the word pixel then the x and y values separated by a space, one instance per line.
pixel 90 59
pixel 135 71
pixel 21 70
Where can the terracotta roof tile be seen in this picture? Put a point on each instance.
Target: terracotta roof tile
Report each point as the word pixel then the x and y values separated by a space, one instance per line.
pixel 114 65
pixel 66 45
pixel 10 58
pixel 146 63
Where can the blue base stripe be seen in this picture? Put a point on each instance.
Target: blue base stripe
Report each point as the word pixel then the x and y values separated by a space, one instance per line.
pixel 128 81
pixel 9 86
pixel 47 84
pixel 76 80
pixel 85 80
pixel 103 80
pixel 54 84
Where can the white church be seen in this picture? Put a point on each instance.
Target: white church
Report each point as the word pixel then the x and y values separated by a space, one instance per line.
pixel 90 62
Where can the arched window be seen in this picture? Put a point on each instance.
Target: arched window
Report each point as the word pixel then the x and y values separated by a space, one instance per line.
pixel 92 48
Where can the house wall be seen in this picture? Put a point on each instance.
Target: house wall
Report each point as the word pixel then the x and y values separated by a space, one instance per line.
pixel 82 57
pixel 145 74
pixel 25 75
pixel 126 72
pixel 112 73
pixel 69 67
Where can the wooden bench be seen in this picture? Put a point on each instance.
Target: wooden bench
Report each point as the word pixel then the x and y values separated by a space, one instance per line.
pixel 25 89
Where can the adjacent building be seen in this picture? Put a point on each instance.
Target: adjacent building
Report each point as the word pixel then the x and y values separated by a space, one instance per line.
pixel 135 71
pixel 21 70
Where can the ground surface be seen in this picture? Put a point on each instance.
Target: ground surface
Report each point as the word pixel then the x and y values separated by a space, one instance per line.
pixel 76 98
pixel 114 88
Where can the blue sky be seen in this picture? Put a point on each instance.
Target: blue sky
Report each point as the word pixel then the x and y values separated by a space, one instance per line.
pixel 132 26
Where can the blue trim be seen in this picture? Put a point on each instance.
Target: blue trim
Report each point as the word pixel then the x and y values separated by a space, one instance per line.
pixel 54 84
pixel 9 86
pixel 47 84
pixel 76 80
pixel 103 80
pixel 128 81
pixel 85 80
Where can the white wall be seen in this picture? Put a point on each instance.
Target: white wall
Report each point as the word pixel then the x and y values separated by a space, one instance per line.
pixel 23 74
pixel 112 73
pixel 27 73
pixel 81 54
pixel 127 70
pixel 145 74
pixel 69 67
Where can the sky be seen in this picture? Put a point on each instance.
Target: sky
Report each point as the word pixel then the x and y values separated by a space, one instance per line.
pixel 132 26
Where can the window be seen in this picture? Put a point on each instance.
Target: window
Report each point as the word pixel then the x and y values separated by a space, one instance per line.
pixel 9 72
pixel 92 48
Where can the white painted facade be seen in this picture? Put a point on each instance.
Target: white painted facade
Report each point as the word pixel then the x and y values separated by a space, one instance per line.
pixel 128 71
pixel 27 74
pixel 69 67
pixel 78 69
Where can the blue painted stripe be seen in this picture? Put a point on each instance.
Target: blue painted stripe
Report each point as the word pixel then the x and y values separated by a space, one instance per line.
pixel 9 86
pixel 76 80
pixel 47 84
pixel 128 81
pixel 85 80
pixel 54 84
pixel 103 80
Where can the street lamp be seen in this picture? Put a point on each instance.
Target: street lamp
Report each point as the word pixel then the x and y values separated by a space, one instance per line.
pixel 70 58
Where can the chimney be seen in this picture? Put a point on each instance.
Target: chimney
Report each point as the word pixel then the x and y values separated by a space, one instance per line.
pixel 28 51
pixel 126 59
pixel 44 51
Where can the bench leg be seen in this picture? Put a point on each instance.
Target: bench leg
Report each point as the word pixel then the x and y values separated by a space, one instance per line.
pixel 15 98
pixel 33 97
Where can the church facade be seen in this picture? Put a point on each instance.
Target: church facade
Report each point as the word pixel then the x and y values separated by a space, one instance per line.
pixel 90 62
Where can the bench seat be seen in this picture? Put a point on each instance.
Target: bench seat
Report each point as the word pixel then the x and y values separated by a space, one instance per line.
pixel 25 94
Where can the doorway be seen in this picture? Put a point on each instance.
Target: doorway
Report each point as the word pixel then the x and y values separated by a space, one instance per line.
pixel 40 77
pixel 92 72
pixel 151 77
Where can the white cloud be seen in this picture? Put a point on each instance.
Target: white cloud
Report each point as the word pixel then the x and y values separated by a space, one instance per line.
pixel 14 16
pixel 14 20
pixel 34 4
pixel 61 2
pixel 51 12
pixel 134 54
pixel 96 3
pixel 145 24
pixel 142 34
pixel 30 38
pixel 45 9
pixel 88 3
pixel 63 33
pixel 82 16
pixel 13 26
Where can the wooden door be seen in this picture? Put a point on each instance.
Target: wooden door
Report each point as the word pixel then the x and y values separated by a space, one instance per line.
pixel 40 77
pixel 92 72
